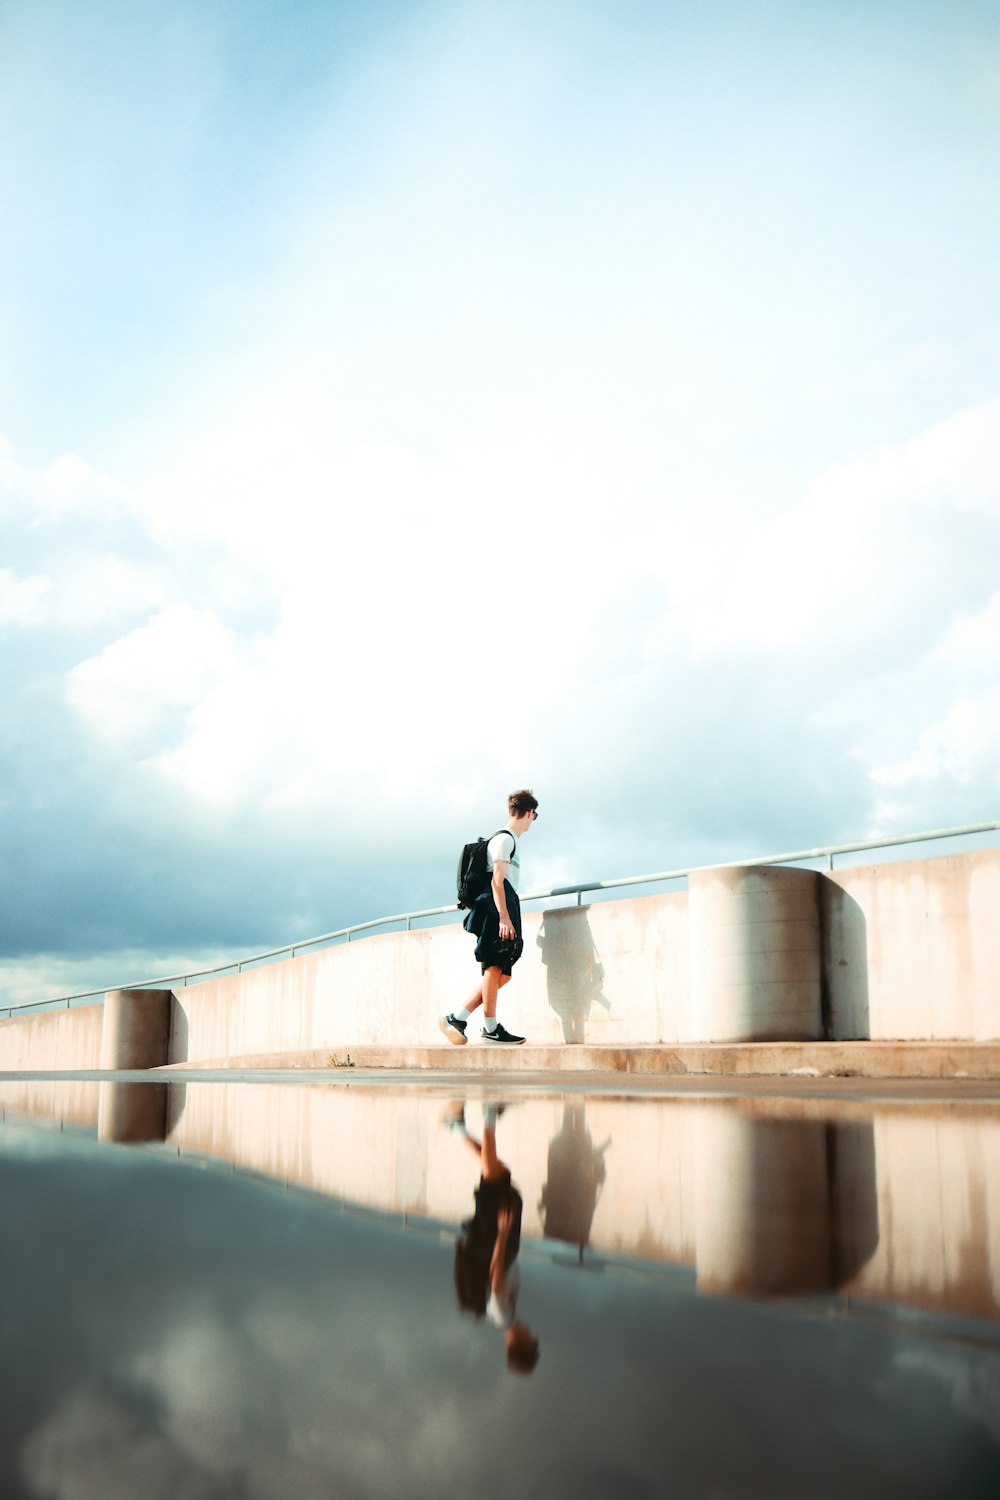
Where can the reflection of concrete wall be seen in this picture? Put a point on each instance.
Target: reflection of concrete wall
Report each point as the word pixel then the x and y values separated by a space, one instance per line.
pixel 938 1185
pixel 768 1197
pixel 71 1101
pixel 897 1205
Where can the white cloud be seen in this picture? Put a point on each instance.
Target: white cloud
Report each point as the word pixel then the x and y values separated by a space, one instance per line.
pixel 415 590
pixel 971 648
pixel 22 600
pixel 136 685
pixel 433 604
pixel 48 976
pixel 962 746
pixel 50 494
pixel 96 565
pixel 859 552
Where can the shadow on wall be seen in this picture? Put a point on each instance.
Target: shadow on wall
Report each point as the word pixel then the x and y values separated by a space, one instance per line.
pixel 573 1180
pixel 177 1047
pixel 573 972
pixel 844 970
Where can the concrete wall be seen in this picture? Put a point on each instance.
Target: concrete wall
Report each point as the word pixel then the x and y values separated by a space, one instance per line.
pixel 931 932
pixel 52 1039
pixel 907 951
pixel 615 972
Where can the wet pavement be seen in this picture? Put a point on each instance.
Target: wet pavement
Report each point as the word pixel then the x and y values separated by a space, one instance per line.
pixel 348 1287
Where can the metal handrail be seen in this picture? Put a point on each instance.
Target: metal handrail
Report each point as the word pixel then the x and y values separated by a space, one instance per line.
pixel 290 950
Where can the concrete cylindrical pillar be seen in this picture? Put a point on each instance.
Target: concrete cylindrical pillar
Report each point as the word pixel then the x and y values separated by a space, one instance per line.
pixel 755 955
pixel 135 1032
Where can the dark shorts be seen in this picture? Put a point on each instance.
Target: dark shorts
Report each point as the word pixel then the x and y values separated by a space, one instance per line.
pixel 483 921
pixel 491 1197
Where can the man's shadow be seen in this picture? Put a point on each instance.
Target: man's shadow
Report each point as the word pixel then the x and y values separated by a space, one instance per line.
pixel 574 1178
pixel 573 970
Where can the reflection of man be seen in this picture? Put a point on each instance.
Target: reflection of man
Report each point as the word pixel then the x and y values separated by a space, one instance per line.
pixel 486 1275
pixel 495 921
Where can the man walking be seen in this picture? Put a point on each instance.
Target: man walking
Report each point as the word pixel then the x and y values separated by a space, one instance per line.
pixel 495 921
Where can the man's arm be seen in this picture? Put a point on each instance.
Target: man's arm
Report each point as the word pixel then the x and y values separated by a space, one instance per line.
pixel 500 897
pixel 498 1271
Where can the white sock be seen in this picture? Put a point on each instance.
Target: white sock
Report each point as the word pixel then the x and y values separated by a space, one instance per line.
pixel 462 1015
pixel 490 1023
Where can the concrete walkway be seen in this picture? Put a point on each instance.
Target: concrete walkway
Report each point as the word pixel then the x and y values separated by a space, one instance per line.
pixel 796 1060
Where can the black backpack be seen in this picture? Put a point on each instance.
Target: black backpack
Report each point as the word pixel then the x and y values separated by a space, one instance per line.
pixel 473 876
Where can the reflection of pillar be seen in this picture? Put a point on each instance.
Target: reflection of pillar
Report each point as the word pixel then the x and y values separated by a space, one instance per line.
pixel 132 1112
pixel 755 955
pixel 135 1031
pixel 782 1206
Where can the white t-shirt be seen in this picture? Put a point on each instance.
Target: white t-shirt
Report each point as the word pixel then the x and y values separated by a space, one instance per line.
pixel 499 847
pixel 502 1306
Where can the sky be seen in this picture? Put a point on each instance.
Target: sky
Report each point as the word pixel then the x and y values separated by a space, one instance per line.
pixel 402 403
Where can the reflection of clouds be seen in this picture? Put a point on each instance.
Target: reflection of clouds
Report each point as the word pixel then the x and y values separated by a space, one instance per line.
pixel 199 1378
pixel 971 1376
pixel 96 1446
pixel 229 1339
pixel 279 1402
pixel 41 1140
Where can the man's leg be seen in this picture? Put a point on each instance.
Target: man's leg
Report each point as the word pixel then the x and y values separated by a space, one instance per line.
pixel 453 1025
pixel 494 980
pixel 476 998
pixel 486 1150
pixel 491 983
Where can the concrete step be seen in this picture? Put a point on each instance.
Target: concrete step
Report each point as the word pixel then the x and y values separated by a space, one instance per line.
pixel 885 1060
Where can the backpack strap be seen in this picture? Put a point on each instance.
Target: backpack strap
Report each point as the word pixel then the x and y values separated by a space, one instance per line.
pixel 513 836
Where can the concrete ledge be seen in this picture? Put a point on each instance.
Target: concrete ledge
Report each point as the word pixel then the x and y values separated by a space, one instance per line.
pixel 949 1060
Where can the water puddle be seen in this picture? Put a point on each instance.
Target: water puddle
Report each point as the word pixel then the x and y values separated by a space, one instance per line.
pixel 256 1289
